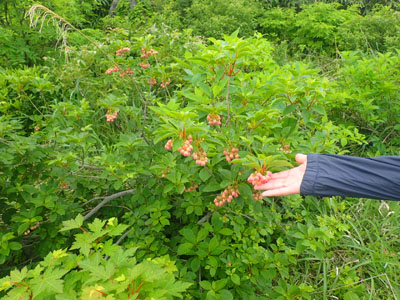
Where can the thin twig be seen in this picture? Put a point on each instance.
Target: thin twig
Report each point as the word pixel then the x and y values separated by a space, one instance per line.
pixel 228 121
pixel 91 200
pixel 106 200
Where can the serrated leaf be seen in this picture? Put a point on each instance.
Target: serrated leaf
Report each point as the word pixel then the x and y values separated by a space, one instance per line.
pixel 72 224
pixel 96 225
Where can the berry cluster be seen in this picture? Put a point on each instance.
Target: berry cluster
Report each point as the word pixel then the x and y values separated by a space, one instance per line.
pixel 200 158
pixel 121 52
pixel 227 195
pixel 144 65
pixel 163 172
pixel 231 154
pixel 152 81
pixel 214 119
pixel 113 69
pixel 164 83
pixel 168 145
pixel 111 116
pixel 124 73
pixel 147 54
pixel 257 178
pixel 257 196
pixel 186 148
pixel 286 149
pixel 32 228
pixel 191 188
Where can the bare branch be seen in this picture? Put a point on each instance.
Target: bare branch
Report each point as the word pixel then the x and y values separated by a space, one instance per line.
pixel 106 200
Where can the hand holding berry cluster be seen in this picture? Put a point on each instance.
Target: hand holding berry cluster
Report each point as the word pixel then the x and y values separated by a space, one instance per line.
pixel 232 154
pixel 186 148
pixel 214 119
pixel 200 158
pixel 227 195
pixel 257 178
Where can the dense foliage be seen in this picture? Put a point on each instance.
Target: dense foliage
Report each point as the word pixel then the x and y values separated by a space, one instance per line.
pixel 134 120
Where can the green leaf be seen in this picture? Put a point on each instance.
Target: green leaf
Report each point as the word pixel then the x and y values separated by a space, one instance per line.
pixel 185 248
pixel 14 246
pixel 22 228
pixel 225 174
pixel 226 231
pixel 212 187
pixel 189 235
pixel 350 296
pixel 195 264
pixel 219 284
pixel 204 174
pixel 289 109
pixel 213 244
pixel 205 285
pixel 235 279
pixel 202 234
pixel 72 224
pixel 226 295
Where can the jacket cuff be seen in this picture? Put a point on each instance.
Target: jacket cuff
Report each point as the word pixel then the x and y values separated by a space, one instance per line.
pixel 310 176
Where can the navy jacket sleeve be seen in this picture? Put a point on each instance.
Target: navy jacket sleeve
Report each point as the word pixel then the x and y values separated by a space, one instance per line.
pixel 349 176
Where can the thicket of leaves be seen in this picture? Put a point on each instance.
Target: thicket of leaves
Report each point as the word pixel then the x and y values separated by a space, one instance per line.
pixel 87 135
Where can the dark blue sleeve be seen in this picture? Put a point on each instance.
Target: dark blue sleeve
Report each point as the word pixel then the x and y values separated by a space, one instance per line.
pixel 349 176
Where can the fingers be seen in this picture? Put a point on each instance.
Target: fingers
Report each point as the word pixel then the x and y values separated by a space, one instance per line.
pixel 301 158
pixel 280 192
pixel 272 184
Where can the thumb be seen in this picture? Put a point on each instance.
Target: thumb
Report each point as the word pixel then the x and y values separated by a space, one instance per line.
pixel 301 158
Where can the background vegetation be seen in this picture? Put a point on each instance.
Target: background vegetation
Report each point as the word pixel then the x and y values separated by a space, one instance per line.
pixel 101 98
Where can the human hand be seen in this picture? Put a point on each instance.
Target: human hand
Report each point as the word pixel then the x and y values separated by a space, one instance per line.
pixel 286 182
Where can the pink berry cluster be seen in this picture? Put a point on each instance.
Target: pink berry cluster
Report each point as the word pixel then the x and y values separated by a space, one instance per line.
pixel 257 178
pixel 168 145
pixel 186 148
pixel 164 83
pixel 200 157
pixel 111 116
pixel 144 65
pixel 32 228
pixel 227 195
pixel 113 69
pixel 147 54
pixel 286 149
pixel 152 81
pixel 257 196
pixel 124 73
pixel 231 154
pixel 191 188
pixel 214 119
pixel 121 52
